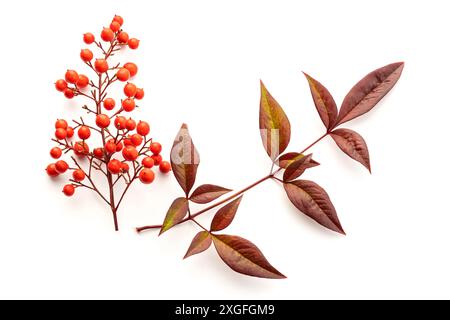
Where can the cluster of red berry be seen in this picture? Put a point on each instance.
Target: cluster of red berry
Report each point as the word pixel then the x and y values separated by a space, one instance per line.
pixel 139 153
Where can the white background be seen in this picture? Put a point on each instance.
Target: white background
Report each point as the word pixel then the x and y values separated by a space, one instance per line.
pixel 200 62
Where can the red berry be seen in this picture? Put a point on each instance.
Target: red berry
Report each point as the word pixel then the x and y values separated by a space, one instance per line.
pixel 119 146
pixel 136 139
pixel 164 167
pixel 118 19
pixel 71 76
pixel 61 166
pixel 86 55
pixel 127 142
pixel 123 74
pixel 69 93
pixel 98 152
pixel 155 148
pixel 102 121
pixel 83 81
pixel 78 175
pixel 69 190
pixel 84 132
pixel 129 90
pixel 109 103
pixel 148 162
pixel 55 153
pixel 139 94
pixel 130 153
pixel 114 166
pixel 110 146
pixel 88 38
pixel 157 159
pixel 51 170
pixel 143 128
pixel 133 43
pixel 125 167
pixel 60 134
pixel 120 122
pixel 131 124
pixel 132 67
pixel 114 26
pixel 101 65
pixel 146 176
pixel 123 37
pixel 128 105
pixel 61 85
pixel 61 123
pixel 80 148
pixel 107 35
pixel 70 132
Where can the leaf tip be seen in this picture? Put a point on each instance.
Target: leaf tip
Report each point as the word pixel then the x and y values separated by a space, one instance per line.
pixel 184 126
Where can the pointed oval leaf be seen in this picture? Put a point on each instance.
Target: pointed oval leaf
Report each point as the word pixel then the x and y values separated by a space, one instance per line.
pixel 313 201
pixel 286 159
pixel 201 242
pixel 244 257
pixel 207 193
pixel 298 167
pixel 369 91
pixel 225 215
pixel 175 214
pixel 274 125
pixel 352 144
pixel 325 104
pixel 184 159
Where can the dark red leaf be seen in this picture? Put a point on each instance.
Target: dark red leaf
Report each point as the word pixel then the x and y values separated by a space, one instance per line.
pixel 312 200
pixel 353 145
pixel 287 158
pixel 184 159
pixel 207 193
pixel 201 242
pixel 244 257
pixel 225 215
pixel 298 167
pixel 325 105
pixel 369 91
pixel 175 214
pixel 274 125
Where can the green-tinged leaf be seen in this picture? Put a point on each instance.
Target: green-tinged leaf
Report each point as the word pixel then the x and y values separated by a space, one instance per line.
pixel 244 257
pixel 201 242
pixel 274 125
pixel 207 193
pixel 225 215
pixel 369 91
pixel 313 201
pixel 184 159
pixel 175 214
pixel 324 102
pixel 298 167
pixel 352 144
pixel 287 158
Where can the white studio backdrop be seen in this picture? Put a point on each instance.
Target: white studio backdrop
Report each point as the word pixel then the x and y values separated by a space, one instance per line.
pixel 200 63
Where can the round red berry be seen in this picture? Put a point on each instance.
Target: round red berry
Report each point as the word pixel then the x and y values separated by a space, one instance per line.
pixel 123 37
pixel 70 132
pixel 148 162
pixel 130 153
pixel 136 139
pixel 119 146
pixel 88 38
pixel 164 167
pixel 83 81
pixel 125 167
pixel 78 175
pixel 143 128
pixel 114 166
pixel 69 93
pixel 131 124
pixel 146 176
pixel 133 43
pixel 132 67
pixel 128 105
pixel 127 142
pixel 118 19
pixel 61 166
pixel 101 65
pixel 114 26
pixel 139 94
pixel 155 148
pixel 157 159
pixel 55 153
pixel 60 134
pixel 107 35
pixel 129 90
pixel 61 123
pixel 80 148
pixel 71 76
pixel 69 190
pixel 123 74
pixel 102 121
pixel 51 170
pixel 84 132
pixel 110 146
pixel 109 103
pixel 61 85
pixel 120 122
pixel 86 55
pixel 98 152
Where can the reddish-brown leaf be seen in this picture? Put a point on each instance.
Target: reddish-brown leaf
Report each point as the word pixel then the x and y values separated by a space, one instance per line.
pixel 312 200
pixel 287 158
pixel 274 125
pixel 184 159
pixel 244 257
pixel 298 167
pixel 353 145
pixel 207 193
pixel 369 91
pixel 325 105
pixel 225 215
pixel 175 214
pixel 201 242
